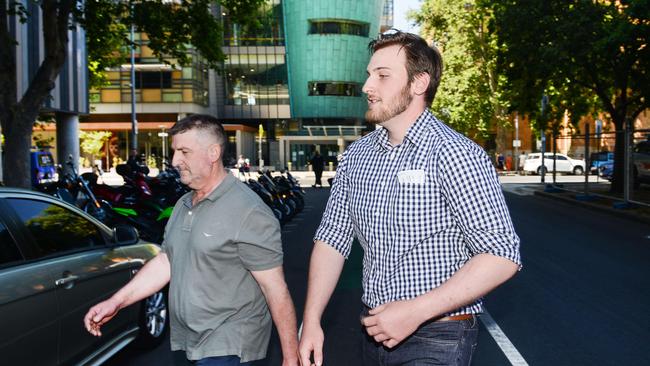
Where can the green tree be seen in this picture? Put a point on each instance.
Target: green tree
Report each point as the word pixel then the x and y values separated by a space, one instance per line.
pixel 588 54
pixel 92 143
pixel 171 26
pixel 469 97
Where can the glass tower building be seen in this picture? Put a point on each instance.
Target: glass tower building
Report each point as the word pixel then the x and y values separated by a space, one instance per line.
pixel 297 77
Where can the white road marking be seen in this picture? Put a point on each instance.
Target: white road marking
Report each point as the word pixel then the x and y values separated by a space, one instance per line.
pixel 502 340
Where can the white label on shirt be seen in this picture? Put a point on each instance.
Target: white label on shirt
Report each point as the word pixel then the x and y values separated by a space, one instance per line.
pixel 411 176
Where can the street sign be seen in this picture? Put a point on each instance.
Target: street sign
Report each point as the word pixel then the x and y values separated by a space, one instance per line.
pixel 516 143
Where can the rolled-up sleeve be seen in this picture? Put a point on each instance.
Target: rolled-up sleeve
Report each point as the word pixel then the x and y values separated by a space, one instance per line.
pixel 471 187
pixel 335 227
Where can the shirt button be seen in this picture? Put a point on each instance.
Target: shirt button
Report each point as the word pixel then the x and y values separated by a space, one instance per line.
pixel 189 212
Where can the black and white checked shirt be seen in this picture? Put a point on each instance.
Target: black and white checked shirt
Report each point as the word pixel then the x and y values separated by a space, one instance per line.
pixel 416 233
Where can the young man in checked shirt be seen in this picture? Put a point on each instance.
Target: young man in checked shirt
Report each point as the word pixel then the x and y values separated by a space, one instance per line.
pixel 426 205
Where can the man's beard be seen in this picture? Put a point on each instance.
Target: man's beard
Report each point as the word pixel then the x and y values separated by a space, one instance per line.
pixel 386 112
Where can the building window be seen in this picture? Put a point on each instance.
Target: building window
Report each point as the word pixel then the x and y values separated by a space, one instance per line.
pixel 153 79
pixel 337 88
pixel 338 26
pixel 256 79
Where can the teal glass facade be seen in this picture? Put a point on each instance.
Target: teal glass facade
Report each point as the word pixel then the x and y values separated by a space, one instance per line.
pixel 327 50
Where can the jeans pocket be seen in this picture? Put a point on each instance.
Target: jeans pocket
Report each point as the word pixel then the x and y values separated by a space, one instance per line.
pixel 444 333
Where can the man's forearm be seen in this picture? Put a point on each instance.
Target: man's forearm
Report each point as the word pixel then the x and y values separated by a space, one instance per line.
pixel 325 268
pixel 476 278
pixel 277 297
pixel 284 318
pixel 151 278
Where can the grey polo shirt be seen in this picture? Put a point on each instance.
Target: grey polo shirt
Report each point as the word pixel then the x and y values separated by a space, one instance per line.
pixel 216 306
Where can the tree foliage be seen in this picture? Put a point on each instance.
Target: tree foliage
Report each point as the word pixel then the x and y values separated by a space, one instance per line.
pixel 171 26
pixel 92 142
pixel 586 55
pixel 470 94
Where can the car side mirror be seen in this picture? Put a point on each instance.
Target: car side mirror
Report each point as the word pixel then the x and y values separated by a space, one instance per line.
pixel 125 235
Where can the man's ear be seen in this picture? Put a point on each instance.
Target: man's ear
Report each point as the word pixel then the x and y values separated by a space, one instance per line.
pixel 420 83
pixel 214 152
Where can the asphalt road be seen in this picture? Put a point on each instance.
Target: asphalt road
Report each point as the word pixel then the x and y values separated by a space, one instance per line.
pixel 581 298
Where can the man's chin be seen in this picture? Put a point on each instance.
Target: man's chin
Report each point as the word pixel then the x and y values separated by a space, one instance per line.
pixel 372 118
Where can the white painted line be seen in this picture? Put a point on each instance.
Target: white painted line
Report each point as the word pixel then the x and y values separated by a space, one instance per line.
pixel 503 342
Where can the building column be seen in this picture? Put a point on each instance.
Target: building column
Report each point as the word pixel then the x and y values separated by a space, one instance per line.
pixel 67 139
pixel 341 142
pixel 238 143
pixel 283 157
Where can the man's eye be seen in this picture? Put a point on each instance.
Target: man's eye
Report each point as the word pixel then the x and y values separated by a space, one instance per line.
pixel 383 76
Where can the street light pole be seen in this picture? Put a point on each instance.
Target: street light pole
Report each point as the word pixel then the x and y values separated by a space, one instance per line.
pixel 134 120
pixel 259 151
pixel 517 143
pixel 543 120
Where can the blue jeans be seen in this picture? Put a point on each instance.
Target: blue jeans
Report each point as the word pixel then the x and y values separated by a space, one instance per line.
pixel 221 361
pixel 434 343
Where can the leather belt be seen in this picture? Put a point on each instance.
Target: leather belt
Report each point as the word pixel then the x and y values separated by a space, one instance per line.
pixel 454 317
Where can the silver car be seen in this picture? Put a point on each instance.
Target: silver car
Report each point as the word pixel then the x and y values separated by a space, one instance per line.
pixel 55 263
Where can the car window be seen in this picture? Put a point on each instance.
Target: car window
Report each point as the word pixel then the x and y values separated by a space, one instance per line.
pixel 560 157
pixel 55 228
pixel 8 249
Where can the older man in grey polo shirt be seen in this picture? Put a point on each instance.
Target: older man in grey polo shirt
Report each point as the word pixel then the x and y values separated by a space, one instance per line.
pixel 222 256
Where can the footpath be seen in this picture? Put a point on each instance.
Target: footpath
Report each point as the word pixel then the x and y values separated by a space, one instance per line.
pixel 569 189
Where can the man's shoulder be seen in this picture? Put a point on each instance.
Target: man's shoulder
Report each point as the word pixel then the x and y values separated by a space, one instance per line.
pixel 364 143
pixel 444 135
pixel 243 194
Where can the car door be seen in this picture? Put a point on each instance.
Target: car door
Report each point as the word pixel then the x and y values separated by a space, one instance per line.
pixel 562 164
pixel 27 305
pixel 84 269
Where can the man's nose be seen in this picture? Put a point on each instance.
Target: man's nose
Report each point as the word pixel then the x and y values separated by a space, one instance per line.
pixel 175 159
pixel 367 86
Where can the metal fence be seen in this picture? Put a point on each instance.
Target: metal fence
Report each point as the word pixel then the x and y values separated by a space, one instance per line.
pixel 598 151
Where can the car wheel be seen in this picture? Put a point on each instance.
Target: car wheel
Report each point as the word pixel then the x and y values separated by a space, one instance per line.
pixel 542 170
pixel 578 170
pixel 154 320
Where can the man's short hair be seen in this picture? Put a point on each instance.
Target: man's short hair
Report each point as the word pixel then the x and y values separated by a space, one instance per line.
pixel 420 57
pixel 204 123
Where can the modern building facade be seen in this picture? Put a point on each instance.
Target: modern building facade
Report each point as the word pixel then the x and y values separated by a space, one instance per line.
pixel 296 79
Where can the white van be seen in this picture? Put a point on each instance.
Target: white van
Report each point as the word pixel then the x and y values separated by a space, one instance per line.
pixel 563 164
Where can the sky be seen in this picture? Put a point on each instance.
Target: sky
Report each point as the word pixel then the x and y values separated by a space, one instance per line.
pixel 400 8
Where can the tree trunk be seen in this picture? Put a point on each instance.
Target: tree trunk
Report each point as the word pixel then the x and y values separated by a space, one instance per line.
pixel 18 136
pixel 619 154
pixel 18 116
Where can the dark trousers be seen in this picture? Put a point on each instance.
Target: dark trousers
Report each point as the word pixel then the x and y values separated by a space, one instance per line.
pixel 435 343
pixel 319 174
pixel 221 361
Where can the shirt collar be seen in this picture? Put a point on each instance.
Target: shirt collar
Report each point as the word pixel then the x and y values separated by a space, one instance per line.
pixel 416 134
pixel 419 131
pixel 217 192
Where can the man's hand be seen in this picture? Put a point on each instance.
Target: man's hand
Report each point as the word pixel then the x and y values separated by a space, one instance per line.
pixel 99 315
pixel 390 323
pixel 311 341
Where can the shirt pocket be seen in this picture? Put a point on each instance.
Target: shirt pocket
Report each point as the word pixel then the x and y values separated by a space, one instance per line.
pixel 413 211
